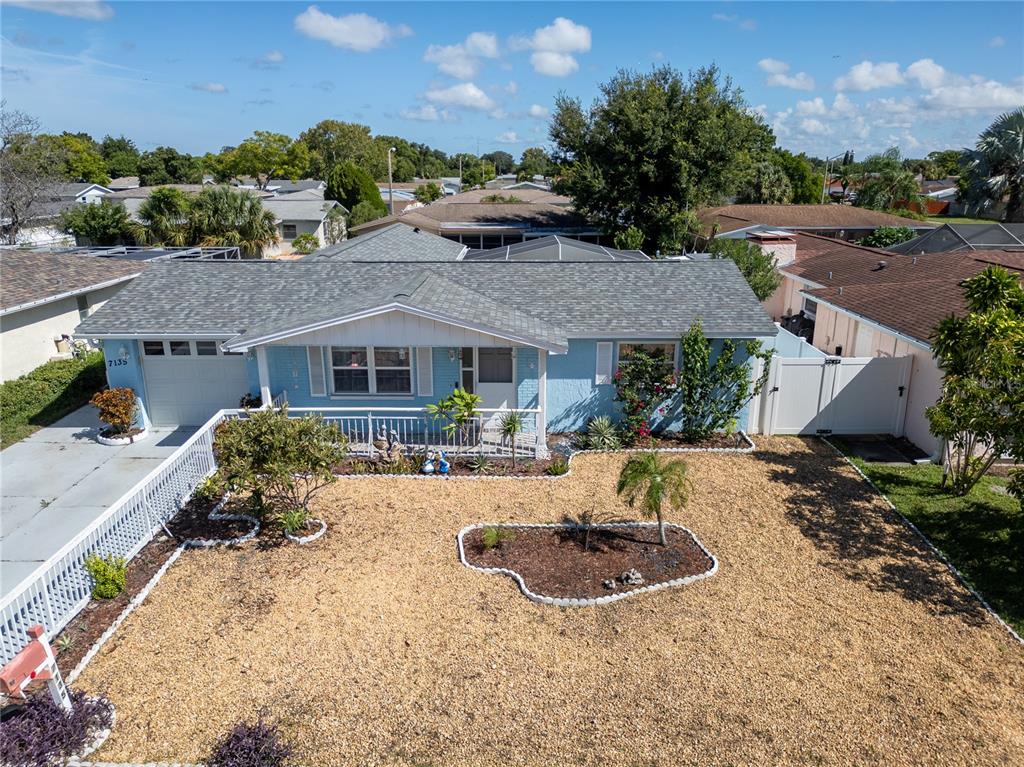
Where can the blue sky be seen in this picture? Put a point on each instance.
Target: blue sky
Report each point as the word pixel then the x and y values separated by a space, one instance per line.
pixel 197 76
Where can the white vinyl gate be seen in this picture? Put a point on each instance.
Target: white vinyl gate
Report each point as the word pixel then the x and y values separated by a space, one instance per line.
pixel 836 395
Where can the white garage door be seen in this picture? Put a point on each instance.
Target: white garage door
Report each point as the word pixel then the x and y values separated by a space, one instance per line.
pixel 189 381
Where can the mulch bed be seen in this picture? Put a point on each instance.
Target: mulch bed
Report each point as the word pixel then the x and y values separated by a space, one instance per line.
pixel 89 625
pixel 460 467
pixel 553 561
pixel 661 440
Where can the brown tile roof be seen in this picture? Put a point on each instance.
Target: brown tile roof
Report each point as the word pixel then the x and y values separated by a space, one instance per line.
pixel 732 217
pixel 34 278
pixel 909 294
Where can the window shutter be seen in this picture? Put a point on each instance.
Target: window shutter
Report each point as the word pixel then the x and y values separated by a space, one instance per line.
pixel 424 371
pixel 603 374
pixel 317 379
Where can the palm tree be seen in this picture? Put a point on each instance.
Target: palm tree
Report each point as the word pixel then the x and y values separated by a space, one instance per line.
pixel 222 216
pixel 654 482
pixel 995 167
pixel 162 218
pixel 512 425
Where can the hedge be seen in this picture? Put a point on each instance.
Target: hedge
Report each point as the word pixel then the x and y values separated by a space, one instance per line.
pixel 47 394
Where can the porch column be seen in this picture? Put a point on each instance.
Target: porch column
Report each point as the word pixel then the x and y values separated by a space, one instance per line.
pixel 264 371
pixel 542 401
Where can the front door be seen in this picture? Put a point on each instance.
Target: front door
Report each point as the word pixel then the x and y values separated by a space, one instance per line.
pixel 495 379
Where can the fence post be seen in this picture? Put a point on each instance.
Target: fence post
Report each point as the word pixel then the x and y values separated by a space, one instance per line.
pixel 369 434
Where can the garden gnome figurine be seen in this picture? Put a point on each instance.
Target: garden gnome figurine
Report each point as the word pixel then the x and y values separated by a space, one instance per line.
pixel 428 466
pixel 443 466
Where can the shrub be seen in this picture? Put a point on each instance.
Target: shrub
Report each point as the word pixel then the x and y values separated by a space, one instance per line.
pixel 501 199
pixel 210 490
pixel 44 734
pixel 602 434
pixel 887 236
pixel 493 537
pixel 294 520
pixel 117 408
pixel 305 243
pixel 251 745
pixel 283 462
pixel 108 575
pixel 458 409
pixel 642 382
pixel 557 467
pixel 363 213
pixel 427 193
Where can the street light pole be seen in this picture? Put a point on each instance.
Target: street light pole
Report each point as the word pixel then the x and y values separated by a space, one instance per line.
pixel 828 161
pixel 391 193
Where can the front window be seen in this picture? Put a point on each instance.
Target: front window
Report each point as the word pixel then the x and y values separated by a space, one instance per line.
pixel 371 370
pixel 810 309
pixel 662 351
pixel 288 231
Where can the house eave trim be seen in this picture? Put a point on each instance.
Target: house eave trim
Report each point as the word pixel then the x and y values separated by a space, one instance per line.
pixel 67 294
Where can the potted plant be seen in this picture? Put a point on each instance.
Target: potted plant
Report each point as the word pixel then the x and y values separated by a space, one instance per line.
pixel 118 409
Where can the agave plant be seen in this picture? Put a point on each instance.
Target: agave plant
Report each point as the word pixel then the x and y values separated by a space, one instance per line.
pixel 652 483
pixel 602 434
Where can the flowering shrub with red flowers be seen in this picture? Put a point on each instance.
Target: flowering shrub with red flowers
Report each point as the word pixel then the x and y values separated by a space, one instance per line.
pixel 643 381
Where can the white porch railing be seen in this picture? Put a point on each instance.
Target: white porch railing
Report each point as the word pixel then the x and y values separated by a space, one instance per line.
pixel 60 587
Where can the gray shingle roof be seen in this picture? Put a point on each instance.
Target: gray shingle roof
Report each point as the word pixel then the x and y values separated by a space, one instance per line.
pixel 551 301
pixel 554 248
pixel 393 243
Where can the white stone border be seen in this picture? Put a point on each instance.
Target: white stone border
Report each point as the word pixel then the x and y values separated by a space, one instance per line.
pixel 751 447
pixel 931 546
pixel 302 540
pixel 586 601
pixel 121 441
pixel 98 738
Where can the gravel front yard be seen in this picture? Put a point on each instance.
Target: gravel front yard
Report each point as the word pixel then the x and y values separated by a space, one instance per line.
pixel 829 636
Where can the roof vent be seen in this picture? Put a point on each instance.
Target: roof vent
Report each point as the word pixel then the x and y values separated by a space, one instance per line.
pixel 830 275
pixel 416 229
pixel 881 266
pixel 914 262
pixel 840 290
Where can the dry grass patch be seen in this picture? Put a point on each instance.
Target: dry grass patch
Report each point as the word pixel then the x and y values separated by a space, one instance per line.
pixel 829 636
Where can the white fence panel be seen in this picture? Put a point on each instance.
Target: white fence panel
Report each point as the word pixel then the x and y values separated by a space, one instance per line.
pixel 836 395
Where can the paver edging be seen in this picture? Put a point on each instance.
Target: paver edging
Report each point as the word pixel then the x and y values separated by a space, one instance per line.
pixel 586 601
pixel 302 540
pixel 121 441
pixel 931 546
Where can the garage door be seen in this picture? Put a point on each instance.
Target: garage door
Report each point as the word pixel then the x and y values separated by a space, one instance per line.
pixel 189 381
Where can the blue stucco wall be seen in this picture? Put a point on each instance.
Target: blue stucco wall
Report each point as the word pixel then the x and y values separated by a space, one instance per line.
pixel 527 376
pixel 124 368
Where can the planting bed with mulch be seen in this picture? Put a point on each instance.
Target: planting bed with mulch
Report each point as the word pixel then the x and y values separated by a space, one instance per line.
pixel 830 635
pixel 460 467
pixel 659 441
pixel 552 561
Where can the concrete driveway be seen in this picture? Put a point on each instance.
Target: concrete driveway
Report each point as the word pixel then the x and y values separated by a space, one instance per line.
pixel 57 481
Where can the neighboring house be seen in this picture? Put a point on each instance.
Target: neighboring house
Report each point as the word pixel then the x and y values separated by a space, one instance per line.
pixel 42 225
pixel 844 222
pixel 396 242
pixel 123 183
pixel 470 219
pixel 300 213
pixel 853 301
pixel 554 248
pixel 954 237
pixel 45 295
pixel 338 331
pixel 87 194
pixel 280 186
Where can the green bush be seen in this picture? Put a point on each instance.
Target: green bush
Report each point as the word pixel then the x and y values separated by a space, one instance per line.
pixel 48 393
pixel 108 575
pixel 496 537
pixel 305 243
pixel 602 434
pixel 557 467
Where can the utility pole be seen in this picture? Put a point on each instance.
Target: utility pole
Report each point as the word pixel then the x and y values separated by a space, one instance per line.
pixel 828 161
pixel 391 193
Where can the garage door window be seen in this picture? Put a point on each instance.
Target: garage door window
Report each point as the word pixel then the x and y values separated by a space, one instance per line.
pixel 206 348
pixel 153 348
pixel 180 348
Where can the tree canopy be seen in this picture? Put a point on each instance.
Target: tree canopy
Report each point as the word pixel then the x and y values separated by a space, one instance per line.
pixel 767 184
pixel 884 182
pixel 653 146
pixel 350 185
pixel 104 224
pixel 756 265
pixel 268 155
pixel 166 165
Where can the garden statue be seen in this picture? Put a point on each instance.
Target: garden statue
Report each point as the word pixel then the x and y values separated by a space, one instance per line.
pixel 443 467
pixel 428 465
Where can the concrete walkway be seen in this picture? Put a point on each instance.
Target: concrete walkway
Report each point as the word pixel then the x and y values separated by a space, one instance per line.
pixel 57 481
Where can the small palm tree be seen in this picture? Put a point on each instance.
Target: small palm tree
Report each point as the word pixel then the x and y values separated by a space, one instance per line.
pixel 995 167
pixel 162 218
pixel 654 482
pixel 511 427
pixel 223 216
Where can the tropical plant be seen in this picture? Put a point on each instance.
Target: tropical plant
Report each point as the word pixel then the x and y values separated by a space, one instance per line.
pixel 758 266
pixel 711 394
pixel 282 462
pixel 587 521
pixel 251 745
pixel 117 407
pixel 109 575
pixel 642 382
pixel 654 147
pixel 884 183
pixel 459 409
pixel 511 426
pixel 428 192
pixel 64 643
pixel 557 467
pixel 221 216
pixel 305 243
pixel 980 412
pixel 887 236
pixel 629 238
pixel 653 482
pixel 104 224
pixel 767 184
pixel 43 734
pixel 493 537
pixel 480 464
pixel 995 167
pixel 294 521
pixel 602 434
pixel 163 218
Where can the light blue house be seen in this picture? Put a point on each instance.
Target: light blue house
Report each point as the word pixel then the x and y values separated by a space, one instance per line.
pixel 403 318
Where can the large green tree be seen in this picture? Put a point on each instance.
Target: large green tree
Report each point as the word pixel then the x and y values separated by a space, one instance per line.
pixel 995 167
pixel 120 155
pixel 804 181
pixel 653 146
pixel 503 162
pixel 332 142
pixel 947 162
pixel 222 216
pixel 104 224
pixel 350 185
pixel 163 218
pixel 884 183
pixel 535 162
pixel 166 165
pixel 267 155
pixel 767 184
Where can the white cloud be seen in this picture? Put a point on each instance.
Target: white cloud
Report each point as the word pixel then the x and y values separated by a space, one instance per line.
pixel 815 106
pixel 274 57
pixel 553 64
pixel 92 10
pixel 508 137
pixel 209 87
pixel 814 127
pixel 868 76
pixel 842 106
pixel 553 47
pixel 927 73
pixel 462 60
pixel 536 110
pixel 778 76
pixel 761 110
pixel 512 88
pixel 997 42
pixel 731 18
pixel 983 94
pixel 427 113
pixel 355 32
pixel 269 60
pixel 465 95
